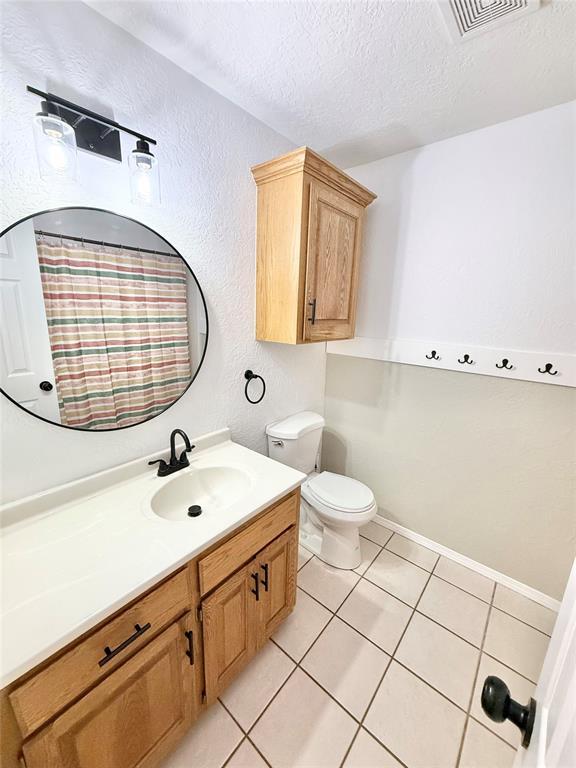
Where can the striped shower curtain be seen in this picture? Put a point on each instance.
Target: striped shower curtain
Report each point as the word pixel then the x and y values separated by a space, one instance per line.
pixel 118 330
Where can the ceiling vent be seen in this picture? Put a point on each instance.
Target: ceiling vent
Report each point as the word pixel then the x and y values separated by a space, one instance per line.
pixel 469 18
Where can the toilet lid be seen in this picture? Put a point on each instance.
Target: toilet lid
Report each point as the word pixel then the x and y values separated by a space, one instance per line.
pixel 341 492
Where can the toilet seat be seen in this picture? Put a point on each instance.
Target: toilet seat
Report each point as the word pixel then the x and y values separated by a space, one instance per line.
pixel 338 494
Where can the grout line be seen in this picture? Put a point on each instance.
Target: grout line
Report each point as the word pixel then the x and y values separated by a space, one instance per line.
pixel 511 615
pixel 255 723
pixel 249 740
pixel 489 730
pixel 462 740
pixel 391 552
pixel 495 658
pixel 341 764
pixel 429 684
pixel 440 578
pixel 365 536
pixel 429 570
pixel 471 697
pixel 380 550
pixel 447 581
pixel 236 748
pixel 374 584
pixel 388 667
pixel 229 758
pixel 232 716
pixel 452 632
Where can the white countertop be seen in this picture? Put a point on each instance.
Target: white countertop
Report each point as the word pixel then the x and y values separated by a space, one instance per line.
pixel 72 556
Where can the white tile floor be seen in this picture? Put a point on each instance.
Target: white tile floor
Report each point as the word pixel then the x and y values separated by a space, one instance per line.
pixel 379 668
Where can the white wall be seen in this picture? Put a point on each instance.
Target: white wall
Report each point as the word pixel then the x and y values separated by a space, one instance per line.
pixel 482 465
pixel 473 239
pixel 206 146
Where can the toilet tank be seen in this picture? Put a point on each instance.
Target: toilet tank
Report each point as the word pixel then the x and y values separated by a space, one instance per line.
pixel 296 440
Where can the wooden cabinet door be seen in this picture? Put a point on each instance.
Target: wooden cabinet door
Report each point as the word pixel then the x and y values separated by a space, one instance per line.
pixel 278 565
pixel 229 618
pixel 133 718
pixel 334 227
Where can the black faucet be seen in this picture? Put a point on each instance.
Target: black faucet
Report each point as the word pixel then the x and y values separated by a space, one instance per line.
pixel 176 462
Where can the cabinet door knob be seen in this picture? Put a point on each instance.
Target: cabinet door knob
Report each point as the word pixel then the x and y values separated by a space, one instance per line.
pixel 499 706
pixel 46 386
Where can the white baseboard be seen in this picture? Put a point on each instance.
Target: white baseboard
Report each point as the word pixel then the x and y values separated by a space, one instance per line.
pixel 484 570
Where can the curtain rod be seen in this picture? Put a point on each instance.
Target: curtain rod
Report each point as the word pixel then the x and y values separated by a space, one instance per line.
pixel 104 243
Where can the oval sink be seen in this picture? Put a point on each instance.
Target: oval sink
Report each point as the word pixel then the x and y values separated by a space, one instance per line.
pixel 212 488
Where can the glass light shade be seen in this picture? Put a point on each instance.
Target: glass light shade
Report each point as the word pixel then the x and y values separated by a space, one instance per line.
pixel 55 142
pixel 144 178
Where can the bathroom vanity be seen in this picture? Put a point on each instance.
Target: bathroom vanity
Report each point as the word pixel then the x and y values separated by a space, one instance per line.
pixel 123 617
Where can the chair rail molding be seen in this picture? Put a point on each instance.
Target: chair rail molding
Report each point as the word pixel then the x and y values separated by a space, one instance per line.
pixel 543 367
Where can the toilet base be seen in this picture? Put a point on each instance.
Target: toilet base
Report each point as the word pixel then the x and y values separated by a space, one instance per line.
pixel 339 547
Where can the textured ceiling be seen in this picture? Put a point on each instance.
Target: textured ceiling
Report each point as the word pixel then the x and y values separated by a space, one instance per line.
pixel 362 80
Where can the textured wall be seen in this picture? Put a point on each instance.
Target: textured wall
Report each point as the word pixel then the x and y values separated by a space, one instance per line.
pixel 482 465
pixel 205 146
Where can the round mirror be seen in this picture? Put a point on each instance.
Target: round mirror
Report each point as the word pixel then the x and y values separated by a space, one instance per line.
pixel 103 325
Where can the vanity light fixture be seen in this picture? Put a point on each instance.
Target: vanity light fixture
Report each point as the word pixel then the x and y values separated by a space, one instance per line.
pixel 55 143
pixel 63 126
pixel 144 179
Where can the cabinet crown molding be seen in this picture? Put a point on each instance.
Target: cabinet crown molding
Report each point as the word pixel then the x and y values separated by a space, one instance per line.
pixel 305 160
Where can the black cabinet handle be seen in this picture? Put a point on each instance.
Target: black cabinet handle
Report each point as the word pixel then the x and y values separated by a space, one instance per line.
pixel 256 588
pixel 109 653
pixel 190 652
pixel 46 386
pixel 313 305
pixel 499 706
pixel 264 581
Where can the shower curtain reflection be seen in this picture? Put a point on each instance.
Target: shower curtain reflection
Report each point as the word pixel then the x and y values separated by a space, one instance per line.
pixel 118 330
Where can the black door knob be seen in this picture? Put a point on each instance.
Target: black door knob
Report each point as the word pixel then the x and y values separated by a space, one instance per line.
pixel 46 386
pixel 499 706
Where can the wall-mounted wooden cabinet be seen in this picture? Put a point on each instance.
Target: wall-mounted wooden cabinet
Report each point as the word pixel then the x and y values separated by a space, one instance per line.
pixel 309 234
pixel 123 695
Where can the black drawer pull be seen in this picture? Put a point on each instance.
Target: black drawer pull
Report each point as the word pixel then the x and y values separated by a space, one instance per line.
pixel 264 581
pixel 190 652
pixel 256 588
pixel 109 653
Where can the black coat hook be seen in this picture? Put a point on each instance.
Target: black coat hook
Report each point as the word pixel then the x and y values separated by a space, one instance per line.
pixel 249 375
pixel 466 360
pixel 548 369
pixel 433 356
pixel 504 364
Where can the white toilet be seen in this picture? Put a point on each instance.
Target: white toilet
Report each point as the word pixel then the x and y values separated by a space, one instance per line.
pixel 333 506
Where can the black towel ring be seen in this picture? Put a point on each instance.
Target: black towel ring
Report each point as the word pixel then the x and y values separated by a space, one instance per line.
pixel 249 375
